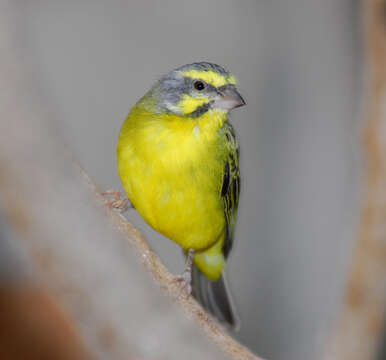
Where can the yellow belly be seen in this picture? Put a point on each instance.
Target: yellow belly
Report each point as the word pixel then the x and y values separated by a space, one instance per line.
pixel 172 173
pixel 180 202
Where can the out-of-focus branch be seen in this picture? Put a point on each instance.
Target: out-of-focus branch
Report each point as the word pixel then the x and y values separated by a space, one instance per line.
pixel 71 248
pixel 34 327
pixel 359 331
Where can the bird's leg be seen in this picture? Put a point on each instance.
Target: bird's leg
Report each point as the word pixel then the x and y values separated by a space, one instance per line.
pixel 116 200
pixel 185 279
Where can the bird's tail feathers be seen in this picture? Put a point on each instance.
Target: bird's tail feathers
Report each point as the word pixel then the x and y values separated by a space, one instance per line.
pixel 215 298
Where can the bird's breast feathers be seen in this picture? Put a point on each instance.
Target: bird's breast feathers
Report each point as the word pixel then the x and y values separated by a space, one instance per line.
pixel 172 171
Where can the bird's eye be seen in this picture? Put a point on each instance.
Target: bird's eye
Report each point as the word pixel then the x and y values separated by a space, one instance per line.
pixel 199 85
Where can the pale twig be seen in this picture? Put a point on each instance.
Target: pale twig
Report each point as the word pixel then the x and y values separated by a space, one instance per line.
pixel 167 281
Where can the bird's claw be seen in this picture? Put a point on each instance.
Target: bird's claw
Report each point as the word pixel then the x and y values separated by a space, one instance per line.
pixel 186 278
pixel 114 199
pixel 184 281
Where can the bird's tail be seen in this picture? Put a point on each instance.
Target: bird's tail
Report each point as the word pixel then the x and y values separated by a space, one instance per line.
pixel 215 298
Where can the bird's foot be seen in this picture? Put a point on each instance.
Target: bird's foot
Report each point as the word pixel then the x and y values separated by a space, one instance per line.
pixel 185 280
pixel 185 284
pixel 116 200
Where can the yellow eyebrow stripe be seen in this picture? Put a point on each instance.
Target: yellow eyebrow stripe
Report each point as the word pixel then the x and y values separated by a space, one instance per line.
pixel 211 77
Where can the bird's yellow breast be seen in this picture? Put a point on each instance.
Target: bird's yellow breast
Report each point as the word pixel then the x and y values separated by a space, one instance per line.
pixel 171 169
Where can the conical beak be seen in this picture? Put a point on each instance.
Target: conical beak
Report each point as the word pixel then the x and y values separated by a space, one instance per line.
pixel 228 98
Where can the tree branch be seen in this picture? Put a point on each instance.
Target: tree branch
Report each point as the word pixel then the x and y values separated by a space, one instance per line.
pixel 166 281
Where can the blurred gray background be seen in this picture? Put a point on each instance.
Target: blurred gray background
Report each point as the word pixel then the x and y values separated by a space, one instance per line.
pixel 299 67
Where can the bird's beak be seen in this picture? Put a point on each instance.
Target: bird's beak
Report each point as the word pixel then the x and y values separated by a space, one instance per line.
pixel 228 98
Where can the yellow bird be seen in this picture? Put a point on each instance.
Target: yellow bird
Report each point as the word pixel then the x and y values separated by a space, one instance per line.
pixel 178 160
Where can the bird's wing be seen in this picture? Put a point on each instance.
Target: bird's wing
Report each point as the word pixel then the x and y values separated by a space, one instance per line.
pixel 230 185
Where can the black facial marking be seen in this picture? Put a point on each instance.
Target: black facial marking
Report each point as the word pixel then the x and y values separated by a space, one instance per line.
pixel 200 110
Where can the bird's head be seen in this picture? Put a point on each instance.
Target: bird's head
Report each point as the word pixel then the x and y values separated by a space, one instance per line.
pixel 192 90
